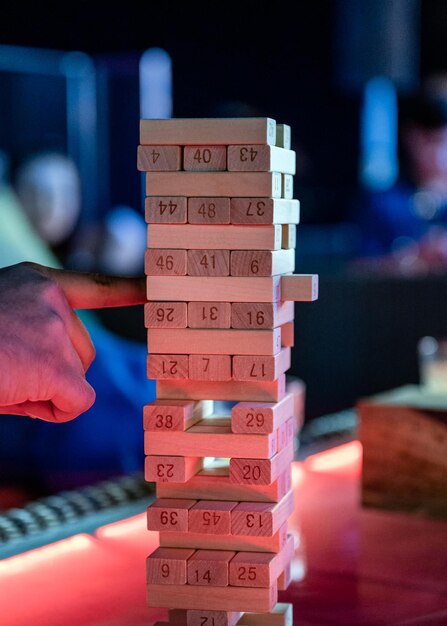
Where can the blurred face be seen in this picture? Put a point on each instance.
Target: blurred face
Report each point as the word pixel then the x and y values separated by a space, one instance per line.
pixel 49 189
pixel 428 153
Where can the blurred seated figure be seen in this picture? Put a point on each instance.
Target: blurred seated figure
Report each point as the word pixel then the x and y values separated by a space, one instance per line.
pixel 404 228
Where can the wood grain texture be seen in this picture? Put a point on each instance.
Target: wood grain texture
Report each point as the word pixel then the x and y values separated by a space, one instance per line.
pixel 174 415
pixel 165 262
pixel 261 367
pixel 261 471
pixel 204 158
pixel 283 136
pixel 209 263
pixel 212 618
pixel 214 210
pixel 210 367
pixel 166 209
pixel 168 566
pixel 176 469
pixel 228 184
pixel 256 210
pixel 211 517
pixel 262 519
pixel 299 287
pixel 256 391
pixel 250 569
pixel 261 417
pixel 169 514
pixel 288 237
pixel 255 158
pixel 209 568
pixel 209 314
pixel 165 315
pixel 159 158
pixel 260 315
pixel 248 543
pixel 262 262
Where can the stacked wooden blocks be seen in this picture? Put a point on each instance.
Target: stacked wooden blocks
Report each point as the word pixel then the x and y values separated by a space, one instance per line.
pixel 221 290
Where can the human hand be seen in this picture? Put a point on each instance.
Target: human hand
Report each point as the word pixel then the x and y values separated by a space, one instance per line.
pixel 45 349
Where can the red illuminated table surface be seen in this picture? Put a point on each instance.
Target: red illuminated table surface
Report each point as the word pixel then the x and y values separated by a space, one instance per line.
pixel 360 566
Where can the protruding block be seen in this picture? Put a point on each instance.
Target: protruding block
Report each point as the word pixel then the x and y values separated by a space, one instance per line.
pixel 166 209
pixel 212 618
pixel 288 238
pixel 165 315
pixel 210 366
pixel 169 514
pixel 250 569
pixel 260 518
pixel 261 417
pixel 285 578
pixel 211 517
pixel 288 335
pixel 159 158
pixel 175 415
pixel 209 262
pixel 259 315
pixel 287 186
pixel 162 262
pixel 283 138
pixel 261 367
pixel 256 210
pixel 204 158
pixel 204 210
pixel 253 158
pixel 176 469
pixel 261 471
pixel 262 262
pixel 203 131
pixel 167 366
pixel 209 314
pixel 228 184
pixel 299 287
pixel 256 391
pixel 168 566
pixel 209 567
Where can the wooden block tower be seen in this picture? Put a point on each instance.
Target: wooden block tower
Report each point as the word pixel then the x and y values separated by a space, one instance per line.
pixel 221 290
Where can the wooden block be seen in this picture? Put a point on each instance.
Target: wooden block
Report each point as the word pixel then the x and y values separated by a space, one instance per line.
pixel 285 578
pixel 210 367
pixel 177 469
pixel 219 237
pixel 262 262
pixel 257 210
pixel 297 387
pixel 168 566
pixel 261 417
pixel 261 314
pixel 255 158
pixel 212 618
pixel 248 543
pixel 209 314
pixel 214 484
pixel 213 341
pixel 211 289
pixel 287 186
pixel 174 415
pixel 260 518
pixel 228 184
pixel 283 136
pixel 158 262
pixel 205 158
pixel 261 471
pixel 286 432
pixel 281 615
pixel 209 262
pixel 258 569
pixel 165 315
pixel 169 514
pixel 299 287
pixel 211 517
pixel 167 366
pixel 165 210
pixel 288 239
pixel 159 158
pixel 216 598
pixel 209 210
pixel 256 391
pixel 209 567
pixel 261 367
pixel 203 131
pixel 205 439
pixel 288 335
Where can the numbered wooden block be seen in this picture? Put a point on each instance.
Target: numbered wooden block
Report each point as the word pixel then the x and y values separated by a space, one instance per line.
pixel 175 415
pixel 288 239
pixel 208 262
pixel 158 262
pixel 169 514
pixel 261 417
pixel 262 262
pixel 209 314
pixel 168 566
pixel 210 289
pixel 261 315
pixel 212 618
pixel 256 391
pixel 166 210
pixel 257 210
pixel 214 341
pixel 219 237
pixel 177 469
pixel 287 186
pixel 260 518
pixel 167 366
pixel 209 210
pixel 248 569
pixel 205 184
pixel 299 287
pixel 211 517
pixel 261 471
pixel 159 158
pixel 283 136
pixel 210 367
pixel 255 158
pixel 209 567
pixel 261 367
pixel 205 158
pixel 203 131
pixel 165 315
pixel 288 335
